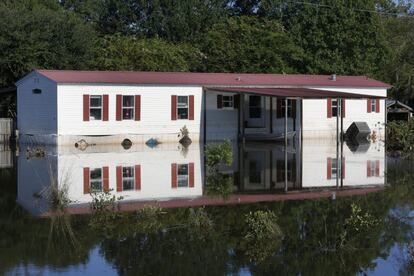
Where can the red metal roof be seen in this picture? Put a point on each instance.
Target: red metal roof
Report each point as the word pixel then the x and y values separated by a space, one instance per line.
pixel 208 79
pixel 295 92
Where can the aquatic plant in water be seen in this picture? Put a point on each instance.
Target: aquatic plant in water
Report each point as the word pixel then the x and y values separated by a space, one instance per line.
pixel 200 225
pixel 104 207
pixel 149 218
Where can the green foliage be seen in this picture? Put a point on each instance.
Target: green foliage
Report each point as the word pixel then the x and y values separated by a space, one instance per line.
pixel 149 218
pixel 200 225
pixel 35 34
pixel 400 135
pixel 218 184
pixel 128 53
pixel 263 236
pixel 250 44
pixel 217 154
pixel 104 211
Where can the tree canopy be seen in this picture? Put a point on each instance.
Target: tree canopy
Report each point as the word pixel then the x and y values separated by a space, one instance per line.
pixel 360 37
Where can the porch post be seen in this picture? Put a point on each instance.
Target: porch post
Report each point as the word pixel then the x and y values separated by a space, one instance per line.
pixel 286 143
pixel 342 145
pixel 338 161
pixel 242 116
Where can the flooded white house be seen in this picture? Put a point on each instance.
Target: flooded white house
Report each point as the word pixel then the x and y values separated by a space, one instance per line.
pixel 103 107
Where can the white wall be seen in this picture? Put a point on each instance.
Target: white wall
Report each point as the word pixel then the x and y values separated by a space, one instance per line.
pixel 155 111
pixel 316 123
pixel 36 113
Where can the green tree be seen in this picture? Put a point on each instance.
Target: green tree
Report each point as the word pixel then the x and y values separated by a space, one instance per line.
pixel 250 44
pixel 34 35
pixel 128 53
pixel 336 35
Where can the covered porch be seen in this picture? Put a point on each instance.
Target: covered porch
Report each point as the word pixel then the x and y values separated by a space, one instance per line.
pixel 276 114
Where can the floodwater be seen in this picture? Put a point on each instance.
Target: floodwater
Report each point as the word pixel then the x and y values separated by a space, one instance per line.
pixel 312 208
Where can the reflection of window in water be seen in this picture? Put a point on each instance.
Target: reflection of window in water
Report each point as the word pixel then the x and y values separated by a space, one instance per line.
pixel 255 172
pixel 96 180
pixel 334 168
pixel 373 168
pixel 255 106
pixel 182 175
pixel 280 166
pixel 128 178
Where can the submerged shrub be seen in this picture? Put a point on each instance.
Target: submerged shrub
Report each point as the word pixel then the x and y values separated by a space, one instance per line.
pixel 104 207
pixel 263 235
pixel 217 154
pixel 219 185
pixel 149 218
pixel 200 224
pixel 400 135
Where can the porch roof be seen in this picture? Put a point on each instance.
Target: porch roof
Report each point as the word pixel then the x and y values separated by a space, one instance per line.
pixel 304 93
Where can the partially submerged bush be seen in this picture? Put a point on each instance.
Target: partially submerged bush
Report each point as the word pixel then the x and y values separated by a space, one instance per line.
pixel 149 218
pixel 103 207
pixel 217 154
pixel 400 135
pixel 219 185
pixel 199 223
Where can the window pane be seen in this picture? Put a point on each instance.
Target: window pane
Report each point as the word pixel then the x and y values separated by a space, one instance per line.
pixel 96 174
pixel 182 113
pixel 255 174
pixel 182 101
pixel 227 101
pixel 128 113
pixel 128 171
pixel 95 114
pixel 255 101
pixel 334 111
pixel 96 101
pixel 182 169
pixel 127 184
pixel 96 186
pixel 128 101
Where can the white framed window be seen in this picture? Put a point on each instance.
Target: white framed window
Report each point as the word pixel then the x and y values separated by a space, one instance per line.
pixel 182 107
pixel 128 178
pixel 128 107
pixel 334 107
pixel 95 180
pixel 182 175
pixel 228 102
pixel 373 105
pixel 95 107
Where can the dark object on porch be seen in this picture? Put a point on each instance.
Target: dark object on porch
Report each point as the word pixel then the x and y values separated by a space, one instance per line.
pixel 126 144
pixel 358 131
pixel 152 143
pixel 397 111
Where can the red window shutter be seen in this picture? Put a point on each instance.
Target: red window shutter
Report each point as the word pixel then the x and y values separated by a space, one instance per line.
pixel 343 107
pixel 369 105
pixel 85 108
pixel 119 107
pixel 329 168
pixel 137 177
pixel 174 175
pixel 105 105
pixel 191 107
pixel 119 187
pixel 343 168
pixel 329 108
pixel 236 101
pixel 377 168
pixel 106 179
pixel 369 168
pixel 279 109
pixel 137 107
pixel 173 107
pixel 377 105
pixel 85 180
pixel 219 101
pixel 191 175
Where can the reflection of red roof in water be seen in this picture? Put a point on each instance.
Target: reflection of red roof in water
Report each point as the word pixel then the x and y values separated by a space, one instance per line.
pixel 233 199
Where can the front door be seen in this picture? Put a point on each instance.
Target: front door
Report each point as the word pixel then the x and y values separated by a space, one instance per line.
pixel 255 112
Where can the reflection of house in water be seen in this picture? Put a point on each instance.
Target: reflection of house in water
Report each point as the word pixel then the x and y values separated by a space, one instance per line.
pixel 314 165
pixel 137 174
pixel 174 177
